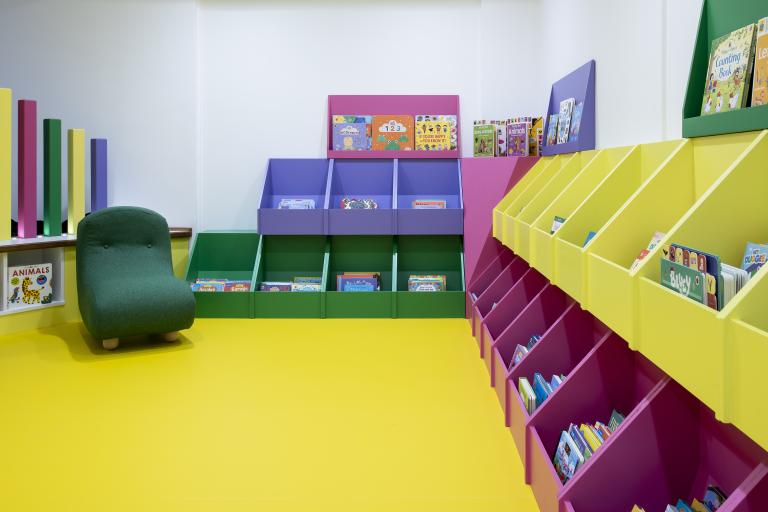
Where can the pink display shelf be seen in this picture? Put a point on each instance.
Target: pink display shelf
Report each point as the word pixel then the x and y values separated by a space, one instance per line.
pixel 504 282
pixel 670 449
pixel 480 283
pixel 610 377
pixel 373 104
pixel 494 325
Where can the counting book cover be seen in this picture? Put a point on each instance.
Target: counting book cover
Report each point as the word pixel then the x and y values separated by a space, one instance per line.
pixel 730 68
pixel 393 133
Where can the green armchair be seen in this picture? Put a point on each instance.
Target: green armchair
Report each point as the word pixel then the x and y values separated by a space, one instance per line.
pixel 125 281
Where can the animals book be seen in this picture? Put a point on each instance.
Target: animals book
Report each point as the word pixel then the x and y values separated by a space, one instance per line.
pixel 484 135
pixel 351 133
pixel 576 122
pixel 393 133
pixel 728 74
pixel 552 130
pixel 29 285
pixel 564 120
pixel 760 80
pixel 517 139
pixel 436 132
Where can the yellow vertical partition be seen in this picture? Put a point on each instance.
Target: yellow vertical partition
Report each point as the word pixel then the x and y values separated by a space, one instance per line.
pixel 76 175
pixel 684 338
pixel 514 192
pixel 5 163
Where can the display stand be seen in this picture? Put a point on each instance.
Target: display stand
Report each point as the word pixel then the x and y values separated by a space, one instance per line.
pixel 580 85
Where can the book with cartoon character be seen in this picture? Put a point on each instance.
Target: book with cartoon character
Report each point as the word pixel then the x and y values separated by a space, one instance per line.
pixel 484 138
pixel 517 139
pixel 392 133
pixel 552 130
pixel 351 133
pixel 29 285
pixel 564 120
pixel 435 132
pixel 576 122
pixel 728 75
pixel 760 84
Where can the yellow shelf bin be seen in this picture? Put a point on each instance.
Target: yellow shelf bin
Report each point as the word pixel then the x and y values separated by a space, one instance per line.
pixel 542 242
pixel 684 338
pixel 514 192
pixel 525 195
pixel 599 210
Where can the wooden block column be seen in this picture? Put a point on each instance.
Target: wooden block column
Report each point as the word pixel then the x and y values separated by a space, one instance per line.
pixel 52 177
pixel 98 174
pixel 76 174
pixel 27 178
pixel 5 163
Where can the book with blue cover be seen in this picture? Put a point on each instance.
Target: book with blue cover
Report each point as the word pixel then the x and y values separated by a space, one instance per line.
pixel 755 257
pixel 351 133
pixel 584 448
pixel 540 388
pixel 567 457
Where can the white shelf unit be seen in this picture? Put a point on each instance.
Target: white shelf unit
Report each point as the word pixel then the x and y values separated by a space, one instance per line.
pixel 52 255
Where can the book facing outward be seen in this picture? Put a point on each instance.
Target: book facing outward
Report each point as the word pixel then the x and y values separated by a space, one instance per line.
pixel 713 499
pixel 484 135
pixel 760 80
pixel 501 137
pixel 426 283
pixel 729 71
pixel 517 139
pixel 755 257
pixel 573 136
pixel 552 130
pixel 392 133
pixel 556 224
pixel 351 133
pixel 428 204
pixel 435 132
pixel 564 120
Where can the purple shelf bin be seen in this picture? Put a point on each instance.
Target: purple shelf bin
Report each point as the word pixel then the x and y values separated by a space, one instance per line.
pixel 506 311
pixel 559 351
pixel 294 178
pixel 362 179
pixel 484 279
pixel 610 377
pixel 496 291
pixel 579 85
pixel 671 449
pixel 429 179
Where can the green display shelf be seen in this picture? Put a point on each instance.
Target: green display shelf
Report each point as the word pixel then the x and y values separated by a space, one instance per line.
pixel 226 255
pixel 282 258
pixel 433 254
pixel 363 253
pixel 719 17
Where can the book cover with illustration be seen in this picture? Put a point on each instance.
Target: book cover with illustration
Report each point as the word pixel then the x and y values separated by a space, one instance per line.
pixel 564 120
pixel 755 257
pixel 760 84
pixel 552 130
pixel 501 138
pixel 351 133
pixel 517 139
pixel 728 74
pixel 535 135
pixel 393 133
pixel 567 458
pixel 29 285
pixel 484 135
pixel 576 122
pixel 704 262
pixel 436 132
pixel 684 280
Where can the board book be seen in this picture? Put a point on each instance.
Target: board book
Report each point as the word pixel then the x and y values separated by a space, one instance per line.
pixel 760 80
pixel 29 285
pixel 517 139
pixel 564 120
pixel 573 136
pixel 755 257
pixel 351 133
pixel 436 132
pixel 393 133
pixel 552 130
pixel 729 71
pixel 484 135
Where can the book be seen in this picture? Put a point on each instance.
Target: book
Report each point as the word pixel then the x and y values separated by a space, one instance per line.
pixel 426 283
pixel 435 132
pixel 428 204
pixel 573 136
pixel 637 509
pixel 670 508
pixel 760 80
pixel 589 238
pixel 698 506
pixel 657 237
pixel 593 440
pixel 704 262
pixel 501 137
pixel 615 420
pixel 552 130
pixel 714 497
pixel 356 284
pixel 275 286
pixel 237 286
pixel 683 506
pixel 517 139
pixel 755 257
pixel 305 287
pixel 296 204
pixel 351 203
pixel 684 280
pixel 203 284
pixel 564 120
pixel 567 458
pixel 527 394
pixel 392 133
pixel 555 382
pixel 728 74
pixel 29 285
pixel 535 136
pixel 484 135
pixel 533 340
pixel 520 352
pixel 351 133
pixel 540 388
pixel 556 223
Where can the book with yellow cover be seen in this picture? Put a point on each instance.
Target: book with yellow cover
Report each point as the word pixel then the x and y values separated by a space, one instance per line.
pixel 760 84
pixel 435 132
pixel 590 437
pixel 729 73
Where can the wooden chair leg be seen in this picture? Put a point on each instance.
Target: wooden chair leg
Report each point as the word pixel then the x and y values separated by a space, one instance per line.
pixel 170 337
pixel 110 344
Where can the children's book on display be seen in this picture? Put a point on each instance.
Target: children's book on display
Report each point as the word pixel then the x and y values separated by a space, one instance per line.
pixel 729 71
pixel 29 285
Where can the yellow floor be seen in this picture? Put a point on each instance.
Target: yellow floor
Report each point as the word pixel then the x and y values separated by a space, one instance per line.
pixel 267 415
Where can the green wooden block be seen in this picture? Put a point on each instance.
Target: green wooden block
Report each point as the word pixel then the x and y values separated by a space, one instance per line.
pixel 52 177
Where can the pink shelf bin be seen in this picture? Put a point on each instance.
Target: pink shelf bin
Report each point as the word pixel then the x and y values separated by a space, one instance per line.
pixel 563 347
pixel 610 377
pixel 494 293
pixel 487 275
pixel 671 449
pixel 505 312
pixel 538 316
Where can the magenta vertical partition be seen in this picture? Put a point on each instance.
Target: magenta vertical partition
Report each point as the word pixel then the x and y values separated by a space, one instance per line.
pixel 98 174
pixel 671 449
pixel 27 163
pixel 493 294
pixel 611 377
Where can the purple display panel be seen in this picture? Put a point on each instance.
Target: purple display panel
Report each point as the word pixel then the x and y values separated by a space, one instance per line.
pixel 294 178
pixel 98 174
pixel 611 377
pixel 361 179
pixel 373 104
pixel 671 449
pixel 494 325
pixel 496 291
pixel 27 162
pixel 484 280
pixel 580 85
pixel 438 179
pixel 561 349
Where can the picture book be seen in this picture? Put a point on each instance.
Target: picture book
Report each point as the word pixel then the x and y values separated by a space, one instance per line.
pixel 535 136
pixel 275 286
pixel 556 223
pixel 350 203
pixel 540 388
pixel 351 133
pixel 593 440
pixel 637 509
pixel 533 340
pixel 358 282
pixel 705 262
pixel 564 120
pixel 714 497
pixel 237 286
pixel 754 257
pixel 501 137
pixel 657 237
pixel 296 204
pixel 28 285
pixel 573 136
pixel 684 280
pixel 670 508
pixel 589 238
pixel 760 80
pixel 307 284
pixel 567 458
pixel 728 74
pixel 519 354
pixel 698 506
pixel 552 130
pixel 683 506
pixel 555 382
pixel 484 135
pixel 426 283
pixel 581 443
pixel 428 204
pixel 517 139
pixel 615 420
pixel 435 132
pixel 392 133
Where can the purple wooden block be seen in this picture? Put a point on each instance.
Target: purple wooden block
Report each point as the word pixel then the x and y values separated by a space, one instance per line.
pixel 361 179
pixel 429 179
pixel 580 85
pixel 294 178
pixel 98 174
pixel 27 161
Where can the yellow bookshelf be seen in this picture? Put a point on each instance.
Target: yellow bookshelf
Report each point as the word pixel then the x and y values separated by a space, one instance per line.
pixel 520 186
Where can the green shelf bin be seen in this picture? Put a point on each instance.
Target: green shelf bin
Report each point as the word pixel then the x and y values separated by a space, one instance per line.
pixel 226 255
pixel 431 254
pixel 281 258
pixel 360 253
pixel 720 17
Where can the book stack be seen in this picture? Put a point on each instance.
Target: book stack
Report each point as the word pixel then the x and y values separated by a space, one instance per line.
pixel 713 499
pixel 358 282
pixel 522 350
pixel 578 443
pixel 395 132
pixel 564 126
pixel 296 204
pixel 533 395
pixel 299 284
pixel 203 284
pixel 426 283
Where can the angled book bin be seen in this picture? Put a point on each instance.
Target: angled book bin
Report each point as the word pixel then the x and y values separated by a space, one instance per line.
pixel 361 179
pixel 579 85
pixel 429 179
